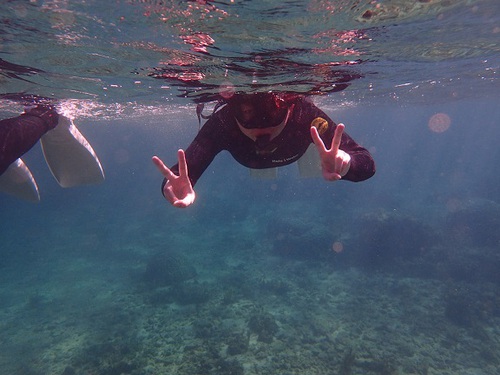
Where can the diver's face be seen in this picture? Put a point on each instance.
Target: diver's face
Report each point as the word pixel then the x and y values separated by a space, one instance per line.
pixel 247 114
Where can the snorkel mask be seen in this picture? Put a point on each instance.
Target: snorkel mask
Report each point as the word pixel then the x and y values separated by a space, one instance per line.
pixel 261 117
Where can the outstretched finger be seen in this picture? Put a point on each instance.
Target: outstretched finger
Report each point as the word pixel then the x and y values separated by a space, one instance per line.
pixel 164 170
pixel 317 140
pixel 183 169
pixel 337 137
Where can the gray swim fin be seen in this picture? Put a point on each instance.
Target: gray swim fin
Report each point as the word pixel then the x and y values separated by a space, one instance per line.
pixel 70 157
pixel 18 181
pixel 310 163
pixel 267 173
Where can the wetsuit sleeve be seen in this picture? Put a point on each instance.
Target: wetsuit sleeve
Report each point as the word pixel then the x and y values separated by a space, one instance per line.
pixel 202 151
pixel 362 163
pixel 19 134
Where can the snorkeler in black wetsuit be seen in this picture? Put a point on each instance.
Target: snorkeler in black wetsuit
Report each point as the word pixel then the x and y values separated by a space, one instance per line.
pixel 266 130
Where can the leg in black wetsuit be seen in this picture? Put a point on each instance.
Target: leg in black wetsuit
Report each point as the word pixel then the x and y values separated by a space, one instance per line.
pixel 19 134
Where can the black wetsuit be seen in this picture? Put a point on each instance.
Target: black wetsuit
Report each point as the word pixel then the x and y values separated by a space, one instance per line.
pixel 221 132
pixel 19 134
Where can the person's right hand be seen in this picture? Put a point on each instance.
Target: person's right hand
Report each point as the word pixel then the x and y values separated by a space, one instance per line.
pixel 178 189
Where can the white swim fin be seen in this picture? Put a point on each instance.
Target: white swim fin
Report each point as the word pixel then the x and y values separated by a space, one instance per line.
pixel 310 163
pixel 18 181
pixel 69 155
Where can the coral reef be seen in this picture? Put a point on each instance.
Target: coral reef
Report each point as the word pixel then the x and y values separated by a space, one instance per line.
pixel 432 307
pixel 204 329
pixel 209 362
pixel 474 222
pixel 191 293
pixel 458 311
pixel 278 287
pixel 237 343
pixel 168 268
pixel 264 326
pixel 183 293
pixel 385 239
pixel 347 362
pixel 297 239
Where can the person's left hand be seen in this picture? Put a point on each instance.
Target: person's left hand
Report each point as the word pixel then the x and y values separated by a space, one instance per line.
pixel 335 163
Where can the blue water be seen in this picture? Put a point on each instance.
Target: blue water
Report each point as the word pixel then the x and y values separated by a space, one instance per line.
pixel 110 279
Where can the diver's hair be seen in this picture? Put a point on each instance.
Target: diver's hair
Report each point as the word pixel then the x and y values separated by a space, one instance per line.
pixel 276 99
pixel 201 106
pixel 270 101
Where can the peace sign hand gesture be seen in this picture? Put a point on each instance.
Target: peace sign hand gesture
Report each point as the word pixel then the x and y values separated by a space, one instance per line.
pixel 335 163
pixel 178 190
